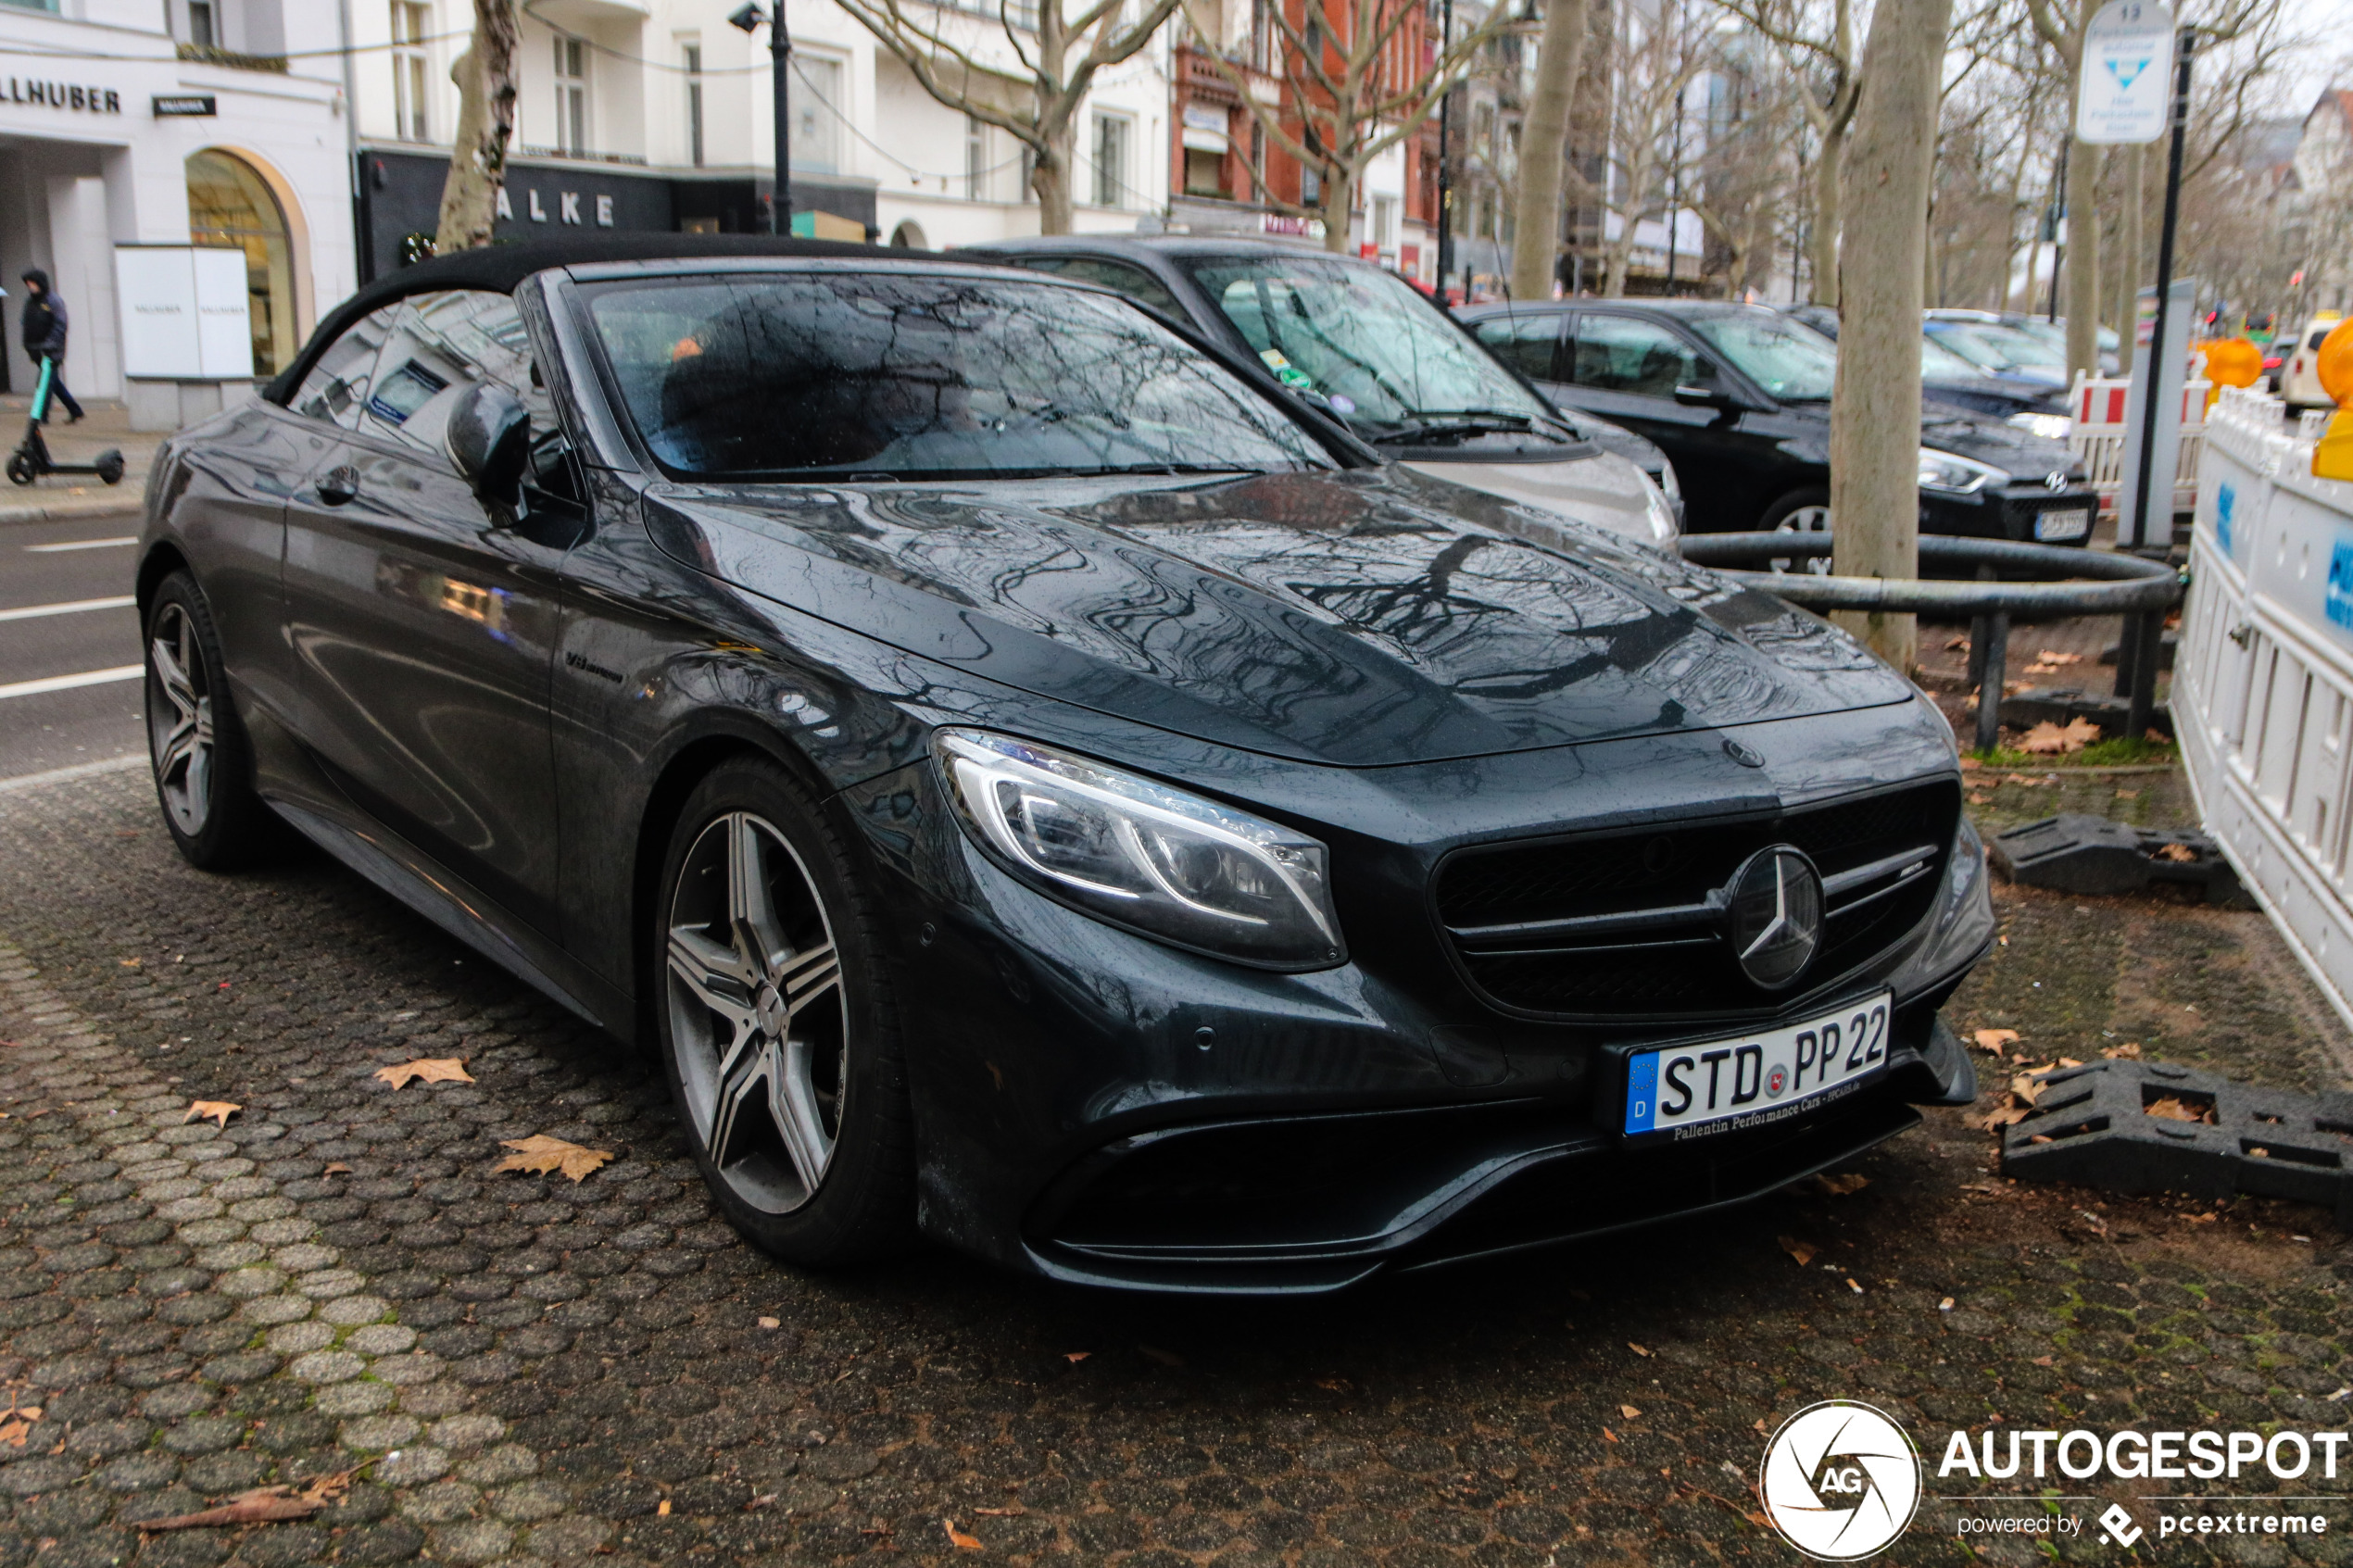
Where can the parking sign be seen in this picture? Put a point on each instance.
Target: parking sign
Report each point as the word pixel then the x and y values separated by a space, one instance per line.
pixel 2126 84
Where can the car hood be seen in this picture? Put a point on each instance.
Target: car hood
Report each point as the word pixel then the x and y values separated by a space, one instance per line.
pixel 2025 458
pixel 1354 618
pixel 1993 395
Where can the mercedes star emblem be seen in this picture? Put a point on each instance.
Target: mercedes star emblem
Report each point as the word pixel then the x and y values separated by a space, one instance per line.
pixel 1775 906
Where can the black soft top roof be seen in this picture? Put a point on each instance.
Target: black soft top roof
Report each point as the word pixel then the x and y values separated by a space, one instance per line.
pixel 499 267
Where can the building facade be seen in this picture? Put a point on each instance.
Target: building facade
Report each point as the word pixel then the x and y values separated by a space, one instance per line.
pixel 140 123
pixel 660 116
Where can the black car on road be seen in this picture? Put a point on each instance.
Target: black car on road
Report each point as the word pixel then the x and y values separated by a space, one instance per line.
pixel 1033 787
pixel 1359 343
pixel 1740 398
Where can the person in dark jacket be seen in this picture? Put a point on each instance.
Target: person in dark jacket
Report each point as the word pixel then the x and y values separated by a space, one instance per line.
pixel 44 336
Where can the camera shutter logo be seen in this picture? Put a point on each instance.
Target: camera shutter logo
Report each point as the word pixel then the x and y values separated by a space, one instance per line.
pixel 1841 1481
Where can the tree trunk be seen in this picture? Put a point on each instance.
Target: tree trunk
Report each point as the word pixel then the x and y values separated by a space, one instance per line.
pixel 1875 405
pixel 2128 243
pixel 486 78
pixel 1339 207
pixel 2083 257
pixel 1050 181
pixel 1543 144
pixel 1823 241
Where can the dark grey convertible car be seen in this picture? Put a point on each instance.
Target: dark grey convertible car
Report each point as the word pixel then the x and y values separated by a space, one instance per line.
pixel 1035 788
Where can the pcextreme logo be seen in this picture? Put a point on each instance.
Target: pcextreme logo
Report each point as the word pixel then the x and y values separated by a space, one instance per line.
pixel 1841 1481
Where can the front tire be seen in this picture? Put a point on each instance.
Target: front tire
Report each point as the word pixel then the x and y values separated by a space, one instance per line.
pixel 776 1021
pixel 203 767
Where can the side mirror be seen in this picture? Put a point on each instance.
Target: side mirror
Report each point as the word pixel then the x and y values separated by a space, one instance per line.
pixel 1706 395
pixel 488 437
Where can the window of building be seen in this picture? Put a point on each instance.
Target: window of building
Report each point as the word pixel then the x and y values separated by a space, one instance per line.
pixel 1110 160
pixel 411 24
pixel 1385 223
pixel 230 205
pixel 816 127
pixel 694 104
pixel 203 31
pixel 976 159
pixel 572 95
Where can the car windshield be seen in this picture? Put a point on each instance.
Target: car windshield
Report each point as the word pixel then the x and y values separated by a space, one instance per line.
pixel 1365 344
pixel 1998 348
pixel 816 374
pixel 1940 363
pixel 1791 362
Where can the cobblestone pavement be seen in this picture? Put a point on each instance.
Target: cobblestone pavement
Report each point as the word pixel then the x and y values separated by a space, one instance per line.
pixel 527 1371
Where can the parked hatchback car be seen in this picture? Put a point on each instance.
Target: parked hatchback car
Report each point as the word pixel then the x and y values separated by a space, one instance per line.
pixel 2020 402
pixel 1032 786
pixel 1739 397
pixel 1368 347
pixel 2300 379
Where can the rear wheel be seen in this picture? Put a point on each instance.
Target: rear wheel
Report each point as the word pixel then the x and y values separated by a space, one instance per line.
pixel 776 1024
pixel 1801 511
pixel 203 768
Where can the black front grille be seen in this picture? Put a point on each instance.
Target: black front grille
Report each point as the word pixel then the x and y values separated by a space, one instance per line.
pixel 1631 924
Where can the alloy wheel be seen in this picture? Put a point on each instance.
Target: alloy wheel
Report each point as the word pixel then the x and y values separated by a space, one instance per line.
pixel 180 735
pixel 758 1020
pixel 1805 520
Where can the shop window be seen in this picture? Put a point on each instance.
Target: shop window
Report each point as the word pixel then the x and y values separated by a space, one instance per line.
pixel 229 204
pixel 411 25
pixel 1204 173
pixel 572 95
pixel 694 104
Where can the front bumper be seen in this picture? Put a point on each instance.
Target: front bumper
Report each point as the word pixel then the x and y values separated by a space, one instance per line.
pixel 2008 512
pixel 1098 1107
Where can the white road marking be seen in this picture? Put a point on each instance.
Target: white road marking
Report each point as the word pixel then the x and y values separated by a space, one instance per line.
pixel 82 544
pixel 71 607
pixel 77 770
pixel 66 683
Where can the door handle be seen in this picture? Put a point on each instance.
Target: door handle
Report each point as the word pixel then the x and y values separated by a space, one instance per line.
pixel 339 484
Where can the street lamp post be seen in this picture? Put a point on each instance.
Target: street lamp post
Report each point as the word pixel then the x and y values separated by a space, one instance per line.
pixel 1445 170
pixel 747 20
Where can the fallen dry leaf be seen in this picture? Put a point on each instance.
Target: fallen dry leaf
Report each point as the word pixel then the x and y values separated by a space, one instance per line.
pixel 2048 657
pixel 2129 1051
pixel 2048 737
pixel 2007 1116
pixel 428 1069
pixel 1759 1424
pixel 1637 1350
pixel 960 1540
pixel 2180 853
pixel 2042 1360
pixel 263 1505
pixel 662 1508
pixel 1977 799
pixel 1946 1305
pixel 1075 1357
pixel 1607 1436
pixel 1628 1412
pixel 337 1168
pixel 1959 645
pixel 2128 795
pixel 1337 1385
pixel 1165 1358
pixel 541 1155
pixel 128 963
pixel 772 1322
pixel 1839 1186
pixel 1014 1512
pixel 2171 1109
pixel 216 1110
pixel 1994 1039
pixel 1798 1249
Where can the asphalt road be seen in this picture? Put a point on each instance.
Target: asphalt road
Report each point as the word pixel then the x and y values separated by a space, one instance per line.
pixel 69 644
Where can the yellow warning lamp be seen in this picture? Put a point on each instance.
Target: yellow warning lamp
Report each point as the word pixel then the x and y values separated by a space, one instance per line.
pixel 2231 362
pixel 2332 458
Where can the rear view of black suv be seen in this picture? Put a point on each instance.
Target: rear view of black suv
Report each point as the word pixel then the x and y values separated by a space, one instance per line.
pixel 1738 396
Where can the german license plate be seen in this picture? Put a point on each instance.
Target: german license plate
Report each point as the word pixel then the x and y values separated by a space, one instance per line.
pixel 1756 1080
pixel 2074 522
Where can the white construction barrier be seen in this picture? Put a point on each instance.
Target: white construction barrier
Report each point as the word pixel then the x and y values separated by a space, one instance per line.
pixel 2263 680
pixel 2096 408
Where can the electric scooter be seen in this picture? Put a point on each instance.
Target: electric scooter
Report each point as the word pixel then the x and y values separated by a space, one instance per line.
pixel 32 459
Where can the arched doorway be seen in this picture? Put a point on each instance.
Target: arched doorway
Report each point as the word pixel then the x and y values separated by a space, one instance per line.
pixel 230 204
pixel 908 235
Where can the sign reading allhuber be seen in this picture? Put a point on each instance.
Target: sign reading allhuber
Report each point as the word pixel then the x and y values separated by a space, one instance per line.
pixel 62 96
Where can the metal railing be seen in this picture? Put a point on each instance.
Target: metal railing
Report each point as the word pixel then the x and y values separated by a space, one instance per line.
pixel 2012 583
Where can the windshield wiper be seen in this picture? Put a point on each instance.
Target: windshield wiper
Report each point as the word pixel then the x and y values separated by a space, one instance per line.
pixel 1423 425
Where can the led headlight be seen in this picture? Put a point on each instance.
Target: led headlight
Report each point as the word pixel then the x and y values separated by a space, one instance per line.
pixel 1133 853
pixel 2050 427
pixel 1955 474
